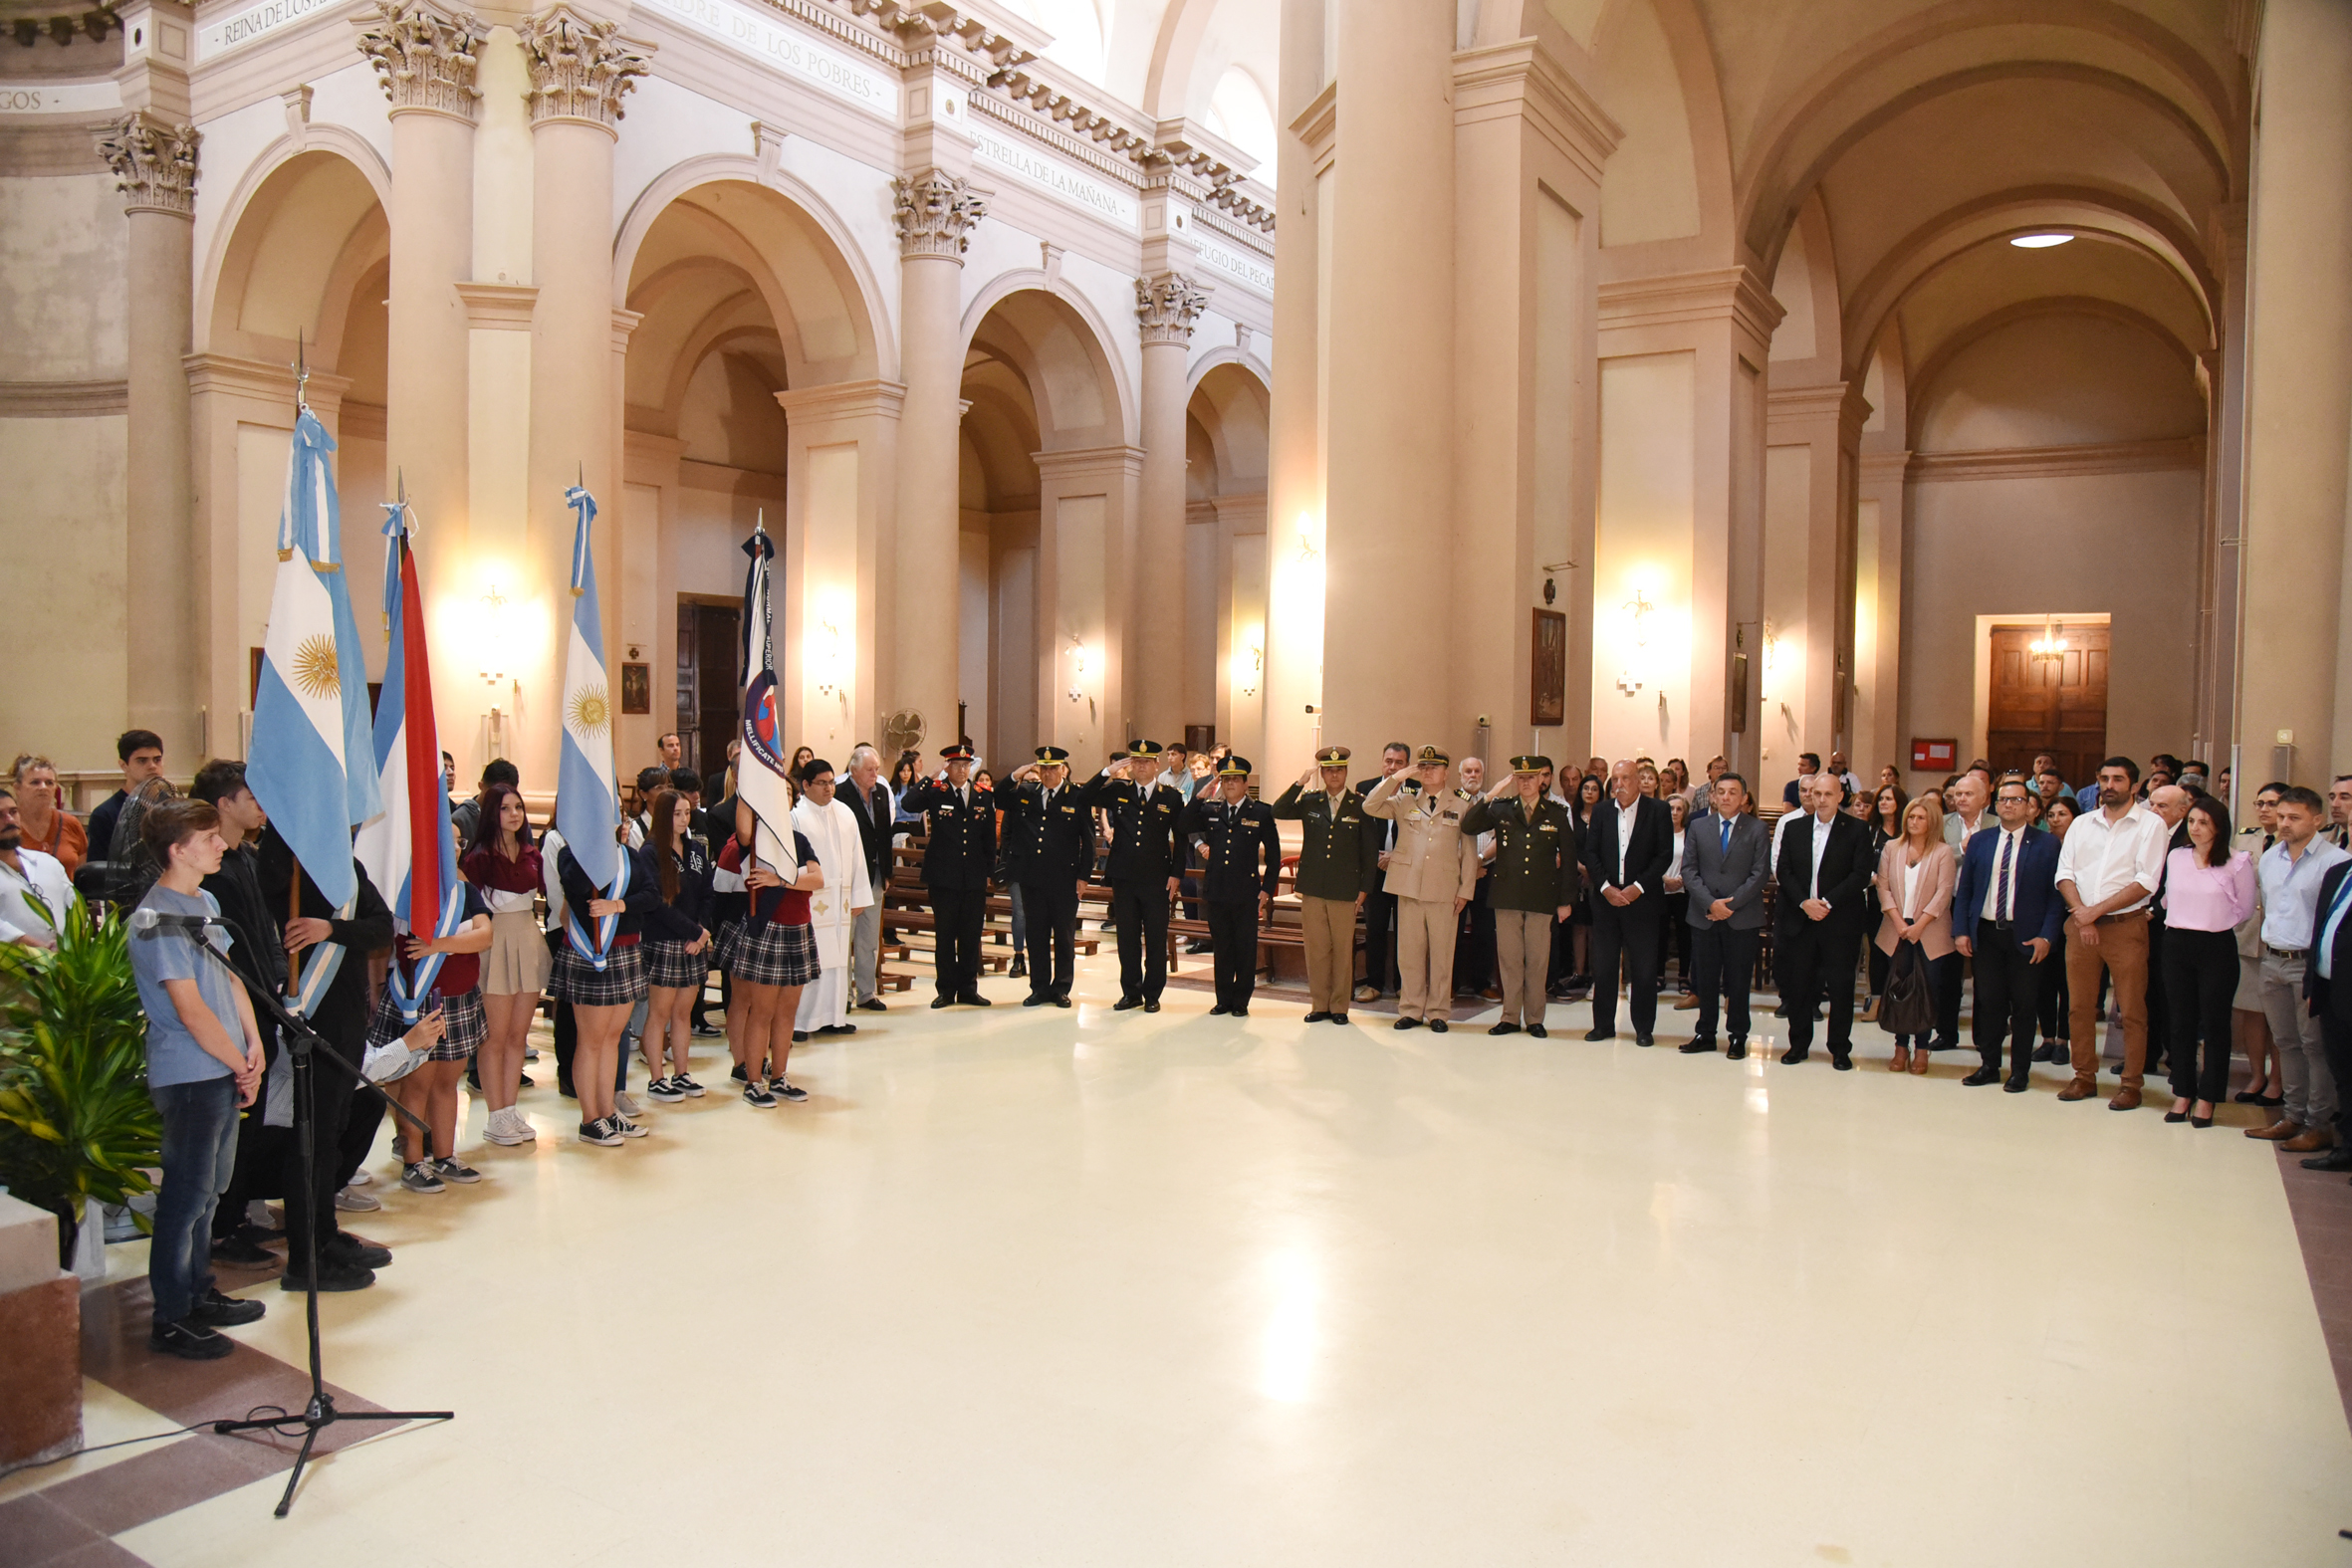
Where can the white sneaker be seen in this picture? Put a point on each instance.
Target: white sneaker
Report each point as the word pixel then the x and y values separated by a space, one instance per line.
pixel 509 1127
pixel 626 1106
pixel 351 1201
pixel 361 1177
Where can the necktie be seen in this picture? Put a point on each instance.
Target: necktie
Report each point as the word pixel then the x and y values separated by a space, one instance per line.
pixel 1727 836
pixel 2000 891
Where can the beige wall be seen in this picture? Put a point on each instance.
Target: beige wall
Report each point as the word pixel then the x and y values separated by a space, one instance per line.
pixel 61 529
pixel 61 294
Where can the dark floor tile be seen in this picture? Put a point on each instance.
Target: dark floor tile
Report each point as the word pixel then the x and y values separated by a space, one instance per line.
pixel 37 1533
pixel 102 1555
pixel 163 1481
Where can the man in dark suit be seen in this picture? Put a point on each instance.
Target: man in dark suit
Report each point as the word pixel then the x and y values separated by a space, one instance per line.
pixel 2006 914
pixel 1626 852
pixel 868 799
pixel 1380 970
pixel 958 854
pixel 2327 991
pixel 1049 851
pixel 1727 854
pixel 1244 856
pixel 1825 869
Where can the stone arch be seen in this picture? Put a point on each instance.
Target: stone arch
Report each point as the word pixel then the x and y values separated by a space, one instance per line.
pixel 266 260
pixel 1624 27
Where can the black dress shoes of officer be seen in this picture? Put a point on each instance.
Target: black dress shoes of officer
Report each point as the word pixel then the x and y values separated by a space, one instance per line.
pixel 1219 1010
pixel 1539 1032
pixel 1794 1055
pixel 1127 1005
pixel 1504 1028
pixel 973 998
pixel 2018 1083
pixel 1241 1012
pixel 1736 1052
pixel 1981 1078
pixel 1060 999
pixel 1340 1019
pixel 1600 1034
pixel 1406 1023
pixel 1843 1061
pixel 1645 1039
pixel 1437 1026
pixel 1151 1006
pixel 943 1002
pixel 1036 999
pixel 1698 1047
pixel 1316 1018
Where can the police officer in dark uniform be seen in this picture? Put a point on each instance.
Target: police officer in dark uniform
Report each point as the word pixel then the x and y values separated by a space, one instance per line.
pixel 1534 879
pixel 1245 863
pixel 1339 867
pixel 1048 846
pixel 1145 869
pixel 958 854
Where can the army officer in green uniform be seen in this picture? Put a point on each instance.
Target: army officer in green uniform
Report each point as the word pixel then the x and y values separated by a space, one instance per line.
pixel 1533 882
pixel 1339 863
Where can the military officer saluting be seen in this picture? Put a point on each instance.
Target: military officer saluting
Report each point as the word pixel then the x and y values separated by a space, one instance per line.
pixel 1145 868
pixel 1245 865
pixel 1433 870
pixel 1338 865
pixel 1049 844
pixel 1534 882
pixel 958 854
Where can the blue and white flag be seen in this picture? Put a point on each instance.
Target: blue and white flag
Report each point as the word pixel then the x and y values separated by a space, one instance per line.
pixel 300 715
pixel 362 796
pixel 760 765
pixel 587 803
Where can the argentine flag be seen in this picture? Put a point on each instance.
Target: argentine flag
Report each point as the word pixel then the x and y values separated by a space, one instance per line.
pixel 310 677
pixel 588 805
pixel 408 848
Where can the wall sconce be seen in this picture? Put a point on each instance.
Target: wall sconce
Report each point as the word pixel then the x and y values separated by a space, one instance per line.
pixel 1638 610
pixel 1310 540
pixel 1078 668
pixel 1257 673
pixel 492 641
pixel 824 660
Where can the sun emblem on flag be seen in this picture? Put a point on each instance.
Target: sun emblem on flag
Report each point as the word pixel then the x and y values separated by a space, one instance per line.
pixel 315 672
pixel 591 710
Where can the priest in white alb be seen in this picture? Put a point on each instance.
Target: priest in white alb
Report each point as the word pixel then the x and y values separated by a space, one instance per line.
pixel 831 830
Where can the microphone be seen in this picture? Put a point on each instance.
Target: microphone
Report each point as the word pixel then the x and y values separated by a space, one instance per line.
pixel 146 921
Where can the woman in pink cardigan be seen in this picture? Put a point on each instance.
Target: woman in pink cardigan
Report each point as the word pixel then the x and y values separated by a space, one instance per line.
pixel 1914 877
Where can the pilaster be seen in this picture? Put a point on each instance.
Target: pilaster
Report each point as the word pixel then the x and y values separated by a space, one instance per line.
pixel 841 480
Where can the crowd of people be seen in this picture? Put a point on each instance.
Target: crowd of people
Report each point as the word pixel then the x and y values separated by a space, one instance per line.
pixel 2130 902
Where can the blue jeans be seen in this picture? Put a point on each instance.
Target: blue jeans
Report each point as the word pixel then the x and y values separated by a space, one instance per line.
pixel 199 1153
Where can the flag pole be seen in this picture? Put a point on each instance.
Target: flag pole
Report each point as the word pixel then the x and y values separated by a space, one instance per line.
pixel 302 381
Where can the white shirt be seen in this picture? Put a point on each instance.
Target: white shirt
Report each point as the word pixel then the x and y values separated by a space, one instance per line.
pixel 1627 815
pixel 1820 844
pixel 1674 866
pixel 2112 855
pixel 2291 890
pixel 2011 844
pixel 44 878
pixel 551 844
pixel 1911 887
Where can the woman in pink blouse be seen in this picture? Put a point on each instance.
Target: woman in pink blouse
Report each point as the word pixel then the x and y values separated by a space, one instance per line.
pixel 2208 890
pixel 1914 877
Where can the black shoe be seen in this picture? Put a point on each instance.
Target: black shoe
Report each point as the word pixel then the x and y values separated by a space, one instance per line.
pixel 736 1072
pixel 331 1277
pixel 1019 970
pixel 2048 1053
pixel 348 1250
pixel 214 1310
pixel 1645 1039
pixel 1438 1025
pixel 1127 1005
pixel 1036 999
pixel 1794 1055
pixel 835 1028
pixel 1060 999
pixel 1152 1006
pixel 523 1080
pixel 1600 1034
pixel 2200 1121
pixel 971 999
pixel 1698 1048
pixel 2337 1158
pixel 707 1031
pixel 1504 1028
pixel 1981 1077
pixel 869 1005
pixel 1736 1052
pixel 1199 945
pixel 943 1002
pixel 1539 1032
pixel 1843 1062
pixel 1241 1012
pixel 1317 1017
pixel 563 1087
pixel 1340 1017
pixel 1219 1010
pixel 800 1036
pixel 2271 1101
pixel 2176 1116
pixel 239 1253
pixel 1406 1023
pixel 189 1340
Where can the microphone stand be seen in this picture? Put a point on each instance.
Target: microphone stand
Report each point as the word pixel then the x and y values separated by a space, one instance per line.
pixel 302 1041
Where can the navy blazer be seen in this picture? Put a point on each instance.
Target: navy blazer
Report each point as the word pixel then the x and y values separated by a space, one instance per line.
pixel 2040 912
pixel 2331 998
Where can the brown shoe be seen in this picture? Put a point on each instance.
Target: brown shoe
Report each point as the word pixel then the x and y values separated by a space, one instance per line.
pixel 2276 1132
pixel 2083 1088
pixel 1919 1061
pixel 2126 1099
pixel 1902 1059
pixel 2310 1141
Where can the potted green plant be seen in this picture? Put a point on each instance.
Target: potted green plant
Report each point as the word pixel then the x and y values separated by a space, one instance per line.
pixel 76 1124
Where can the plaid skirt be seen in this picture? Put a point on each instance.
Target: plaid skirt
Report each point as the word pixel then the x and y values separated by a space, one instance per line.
pixel 619 984
pixel 467 1024
pixel 669 964
pixel 773 953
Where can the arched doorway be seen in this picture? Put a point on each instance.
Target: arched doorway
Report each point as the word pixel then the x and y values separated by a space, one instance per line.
pixel 1226 555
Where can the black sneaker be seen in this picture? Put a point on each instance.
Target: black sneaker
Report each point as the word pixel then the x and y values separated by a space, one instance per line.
pixel 666 1089
pixel 419 1177
pixel 239 1253
pixel 736 1072
pixel 347 1248
pixel 600 1132
pixel 332 1277
pixel 686 1086
pixel 786 1091
pixel 214 1310
pixel 451 1169
pixel 756 1096
pixel 189 1340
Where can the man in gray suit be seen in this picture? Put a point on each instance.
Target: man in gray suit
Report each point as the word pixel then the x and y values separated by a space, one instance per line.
pixel 1725 857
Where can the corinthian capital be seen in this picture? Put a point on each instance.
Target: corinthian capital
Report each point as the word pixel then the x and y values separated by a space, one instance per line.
pixel 154 163
pixel 936 214
pixel 1166 306
pixel 579 68
pixel 425 56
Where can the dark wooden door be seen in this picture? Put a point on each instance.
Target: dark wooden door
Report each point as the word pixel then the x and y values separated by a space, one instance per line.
pixel 710 682
pixel 2054 705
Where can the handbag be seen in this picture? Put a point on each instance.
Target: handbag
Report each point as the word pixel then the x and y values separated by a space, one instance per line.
pixel 1907 1007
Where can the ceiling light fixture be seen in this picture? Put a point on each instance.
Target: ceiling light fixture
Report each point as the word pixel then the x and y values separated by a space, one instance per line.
pixel 2039 242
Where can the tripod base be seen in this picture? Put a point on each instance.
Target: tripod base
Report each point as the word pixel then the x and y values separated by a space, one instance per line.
pixel 316 1418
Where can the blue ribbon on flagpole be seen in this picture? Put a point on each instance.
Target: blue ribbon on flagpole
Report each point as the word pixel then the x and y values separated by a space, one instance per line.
pixel 598 951
pixel 395 525
pixel 584 506
pixel 408 996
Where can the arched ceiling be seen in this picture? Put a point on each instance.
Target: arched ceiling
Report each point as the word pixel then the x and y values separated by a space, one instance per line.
pixel 1174 59
pixel 1039 340
pixel 300 246
pixel 1231 411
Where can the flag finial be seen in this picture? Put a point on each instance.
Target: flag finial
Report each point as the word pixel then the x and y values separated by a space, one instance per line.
pixel 302 372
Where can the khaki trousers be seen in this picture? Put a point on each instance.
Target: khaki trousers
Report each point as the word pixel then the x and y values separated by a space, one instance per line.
pixel 1425 958
pixel 2123 953
pixel 1523 949
pixel 1329 927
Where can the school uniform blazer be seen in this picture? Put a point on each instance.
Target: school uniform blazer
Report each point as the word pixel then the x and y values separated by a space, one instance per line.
pixel 1936 872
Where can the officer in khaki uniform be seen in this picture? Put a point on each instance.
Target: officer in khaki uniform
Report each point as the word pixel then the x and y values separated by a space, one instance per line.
pixel 1533 882
pixel 1432 870
pixel 1338 864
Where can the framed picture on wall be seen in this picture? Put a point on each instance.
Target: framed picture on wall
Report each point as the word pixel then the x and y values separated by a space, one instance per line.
pixel 1547 674
pixel 636 688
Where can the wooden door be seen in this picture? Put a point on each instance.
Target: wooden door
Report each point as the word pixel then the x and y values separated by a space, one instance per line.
pixel 710 683
pixel 2059 706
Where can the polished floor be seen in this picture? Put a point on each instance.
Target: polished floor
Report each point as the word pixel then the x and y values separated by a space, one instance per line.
pixel 1028 1287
